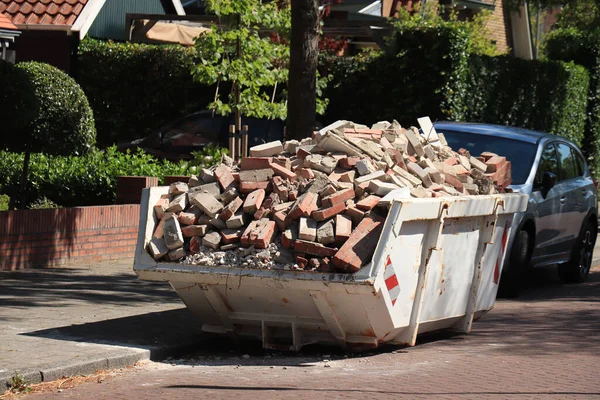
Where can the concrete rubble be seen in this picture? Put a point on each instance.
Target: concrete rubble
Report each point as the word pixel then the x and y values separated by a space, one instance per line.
pixel 316 204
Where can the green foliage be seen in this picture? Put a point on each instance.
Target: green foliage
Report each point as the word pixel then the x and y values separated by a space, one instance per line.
pixel 135 88
pixel 81 181
pixel 260 70
pixel 209 156
pixel 582 47
pixel 475 30
pixel 541 95
pixel 18 384
pixel 50 109
pixel 4 201
pixel 42 203
pixel 423 71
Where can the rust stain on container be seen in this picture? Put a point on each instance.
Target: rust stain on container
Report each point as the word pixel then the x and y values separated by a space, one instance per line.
pixel 285 300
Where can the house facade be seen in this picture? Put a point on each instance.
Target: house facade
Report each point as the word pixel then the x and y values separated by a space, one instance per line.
pixel 52 29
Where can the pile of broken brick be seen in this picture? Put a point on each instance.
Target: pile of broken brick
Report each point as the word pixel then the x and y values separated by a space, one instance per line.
pixel 318 204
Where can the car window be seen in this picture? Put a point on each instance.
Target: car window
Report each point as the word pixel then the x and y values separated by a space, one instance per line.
pixel 208 129
pixel 520 154
pixel 566 158
pixel 548 163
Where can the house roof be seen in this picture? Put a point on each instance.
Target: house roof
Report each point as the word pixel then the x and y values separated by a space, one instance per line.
pixel 42 12
pixel 6 24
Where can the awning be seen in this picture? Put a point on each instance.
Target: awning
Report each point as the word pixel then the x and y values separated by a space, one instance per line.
pixel 165 32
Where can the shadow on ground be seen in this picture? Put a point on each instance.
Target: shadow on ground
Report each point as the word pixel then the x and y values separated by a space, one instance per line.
pixel 63 287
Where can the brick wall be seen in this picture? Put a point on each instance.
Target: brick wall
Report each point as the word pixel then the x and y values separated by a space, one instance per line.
pixel 499 26
pixel 67 236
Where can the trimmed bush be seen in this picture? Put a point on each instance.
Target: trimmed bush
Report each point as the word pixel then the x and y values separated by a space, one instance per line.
pixel 80 181
pixel 135 88
pixel 570 44
pixel 541 95
pixel 49 112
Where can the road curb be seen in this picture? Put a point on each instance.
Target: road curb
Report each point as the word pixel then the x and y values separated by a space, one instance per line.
pixel 52 372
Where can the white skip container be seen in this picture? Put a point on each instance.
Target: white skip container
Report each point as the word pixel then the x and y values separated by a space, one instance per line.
pixel 436 266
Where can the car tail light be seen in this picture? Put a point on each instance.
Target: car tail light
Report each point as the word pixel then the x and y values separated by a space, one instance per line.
pixel 595 183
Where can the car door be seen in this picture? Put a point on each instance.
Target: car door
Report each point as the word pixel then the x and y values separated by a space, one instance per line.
pixel 548 236
pixel 574 193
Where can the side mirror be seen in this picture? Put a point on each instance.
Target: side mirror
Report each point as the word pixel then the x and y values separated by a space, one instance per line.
pixel 548 181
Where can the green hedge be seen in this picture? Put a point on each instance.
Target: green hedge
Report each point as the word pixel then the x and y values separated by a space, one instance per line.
pixel 43 109
pixel 541 95
pixel 80 181
pixel 572 45
pixel 135 88
pixel 430 71
pixel 423 71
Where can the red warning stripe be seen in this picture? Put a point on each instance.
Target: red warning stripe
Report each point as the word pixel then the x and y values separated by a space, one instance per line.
pixel 391 282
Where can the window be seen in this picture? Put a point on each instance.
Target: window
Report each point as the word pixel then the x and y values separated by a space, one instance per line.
pixel 548 163
pixel 568 165
pixel 579 163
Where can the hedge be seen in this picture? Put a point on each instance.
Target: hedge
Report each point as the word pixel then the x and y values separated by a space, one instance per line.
pixel 44 110
pixel 572 45
pixel 80 181
pixel 547 96
pixel 135 88
pixel 421 72
pixel 429 71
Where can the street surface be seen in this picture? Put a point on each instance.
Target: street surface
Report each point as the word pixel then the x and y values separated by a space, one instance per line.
pixel 545 345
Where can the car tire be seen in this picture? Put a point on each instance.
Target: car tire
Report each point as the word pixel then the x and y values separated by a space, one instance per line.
pixel 577 269
pixel 513 275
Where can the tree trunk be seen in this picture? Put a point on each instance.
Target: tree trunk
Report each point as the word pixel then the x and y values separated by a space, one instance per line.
pixel 20 203
pixel 304 53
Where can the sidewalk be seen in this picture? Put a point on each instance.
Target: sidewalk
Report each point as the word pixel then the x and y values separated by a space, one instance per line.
pixel 62 322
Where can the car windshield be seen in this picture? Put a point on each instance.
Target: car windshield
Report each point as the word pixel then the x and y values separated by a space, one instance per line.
pixel 520 154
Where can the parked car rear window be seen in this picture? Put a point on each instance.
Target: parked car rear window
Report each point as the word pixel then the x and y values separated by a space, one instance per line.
pixel 520 154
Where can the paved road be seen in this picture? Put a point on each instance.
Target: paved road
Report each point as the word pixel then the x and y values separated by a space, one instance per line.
pixel 546 345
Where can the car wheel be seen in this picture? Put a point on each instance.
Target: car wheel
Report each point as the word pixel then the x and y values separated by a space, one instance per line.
pixel 514 271
pixel 577 269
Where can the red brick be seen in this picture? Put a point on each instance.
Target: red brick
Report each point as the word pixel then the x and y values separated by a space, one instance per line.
pixel 495 163
pixel 161 206
pixel 368 203
pixel 361 188
pixel 304 206
pixel 231 236
pixel 282 171
pixel 326 213
pixel 339 197
pixel 280 188
pixel 460 170
pixel 359 249
pixel 293 195
pixel 349 162
pixel 501 175
pixel 464 152
pixel 224 177
pixel 453 181
pixel 301 261
pixel 195 244
pixel 302 153
pixel 231 208
pixel 306 173
pixel 262 236
pixel 254 201
pixel 247 187
pixel 486 155
pixel 187 218
pixel 451 161
pixel 316 249
pixel 255 163
pixel 356 214
pixel 289 237
pixel 193 230
pixel 282 220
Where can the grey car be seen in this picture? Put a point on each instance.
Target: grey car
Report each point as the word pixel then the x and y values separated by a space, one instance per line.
pixel 561 222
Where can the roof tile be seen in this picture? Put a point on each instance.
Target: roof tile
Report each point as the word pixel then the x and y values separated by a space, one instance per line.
pixel 5 22
pixel 44 12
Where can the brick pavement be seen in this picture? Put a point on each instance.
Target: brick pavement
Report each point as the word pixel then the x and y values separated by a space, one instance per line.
pixel 546 345
pixel 71 321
